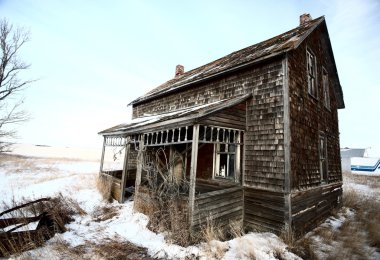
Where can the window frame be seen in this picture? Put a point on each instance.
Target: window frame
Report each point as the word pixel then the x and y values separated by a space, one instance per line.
pixel 326 88
pixel 323 158
pixel 218 153
pixel 311 73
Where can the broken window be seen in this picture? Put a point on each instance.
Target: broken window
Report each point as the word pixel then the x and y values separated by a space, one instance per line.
pixel 311 72
pixel 326 92
pixel 225 161
pixel 323 157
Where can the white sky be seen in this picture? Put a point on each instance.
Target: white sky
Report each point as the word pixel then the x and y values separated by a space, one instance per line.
pixel 93 57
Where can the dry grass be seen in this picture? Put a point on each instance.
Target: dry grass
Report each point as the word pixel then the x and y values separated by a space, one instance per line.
pixel 371 181
pixel 116 249
pixel 236 229
pixel 212 234
pixel 113 248
pixel 166 214
pixel 104 186
pixel 356 238
pixel 288 236
pixel 212 231
pixel 105 213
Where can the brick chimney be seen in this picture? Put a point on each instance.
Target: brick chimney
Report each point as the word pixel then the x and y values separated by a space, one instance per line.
pixel 179 70
pixel 305 18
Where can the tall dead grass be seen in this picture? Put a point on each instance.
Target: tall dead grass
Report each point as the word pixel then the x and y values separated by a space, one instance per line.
pixel 358 236
pixel 166 214
pixel 104 186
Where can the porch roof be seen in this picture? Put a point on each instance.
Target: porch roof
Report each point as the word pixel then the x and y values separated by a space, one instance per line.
pixel 179 117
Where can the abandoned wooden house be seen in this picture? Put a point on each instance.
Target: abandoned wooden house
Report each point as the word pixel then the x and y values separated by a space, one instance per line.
pixel 255 134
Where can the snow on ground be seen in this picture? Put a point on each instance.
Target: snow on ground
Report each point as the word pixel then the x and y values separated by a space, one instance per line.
pixel 46 171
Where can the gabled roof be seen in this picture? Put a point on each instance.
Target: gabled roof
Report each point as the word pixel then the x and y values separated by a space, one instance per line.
pixel 247 56
pixel 178 117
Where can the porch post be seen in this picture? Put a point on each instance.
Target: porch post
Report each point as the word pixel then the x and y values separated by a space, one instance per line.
pixel 124 175
pixel 193 171
pixel 102 158
pixel 140 159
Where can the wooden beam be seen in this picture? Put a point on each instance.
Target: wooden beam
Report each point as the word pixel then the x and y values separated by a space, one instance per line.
pixel 140 160
pixel 287 147
pixel 124 175
pixel 103 152
pixel 193 171
pixel 237 160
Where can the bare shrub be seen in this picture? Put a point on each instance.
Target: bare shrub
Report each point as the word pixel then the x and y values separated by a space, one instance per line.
pixel 161 197
pixel 104 186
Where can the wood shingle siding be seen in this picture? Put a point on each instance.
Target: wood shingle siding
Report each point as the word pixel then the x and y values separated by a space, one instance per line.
pixel 309 116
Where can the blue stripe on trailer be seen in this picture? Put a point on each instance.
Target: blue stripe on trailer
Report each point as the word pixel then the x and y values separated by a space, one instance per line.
pixel 365 168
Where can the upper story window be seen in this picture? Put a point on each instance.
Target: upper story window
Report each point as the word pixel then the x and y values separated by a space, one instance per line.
pixel 311 74
pixel 326 92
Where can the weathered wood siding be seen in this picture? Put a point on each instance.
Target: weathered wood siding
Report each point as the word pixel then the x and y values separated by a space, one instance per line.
pixel 233 117
pixel 221 207
pixel 309 116
pixel 264 138
pixel 312 206
pixel 264 145
pixel 264 210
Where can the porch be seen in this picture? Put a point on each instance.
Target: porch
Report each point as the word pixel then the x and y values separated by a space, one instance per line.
pixel 198 152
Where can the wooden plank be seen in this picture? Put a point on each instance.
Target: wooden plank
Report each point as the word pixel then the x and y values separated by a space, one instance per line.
pixel 140 159
pixel 102 157
pixel 220 217
pixel 124 175
pixel 217 205
pixel 218 192
pixel 214 199
pixel 193 171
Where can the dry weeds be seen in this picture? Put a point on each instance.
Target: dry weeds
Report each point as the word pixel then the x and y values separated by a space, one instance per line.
pixel 371 181
pixel 113 248
pixel 104 186
pixel 358 236
pixel 103 213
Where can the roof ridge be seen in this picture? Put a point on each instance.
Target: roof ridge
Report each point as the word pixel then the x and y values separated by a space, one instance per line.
pixel 275 45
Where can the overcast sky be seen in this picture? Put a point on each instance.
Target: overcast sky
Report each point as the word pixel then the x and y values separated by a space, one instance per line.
pixel 93 57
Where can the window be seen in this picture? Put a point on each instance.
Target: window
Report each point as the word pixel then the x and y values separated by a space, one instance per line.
pixel 225 161
pixel 323 157
pixel 311 72
pixel 326 92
